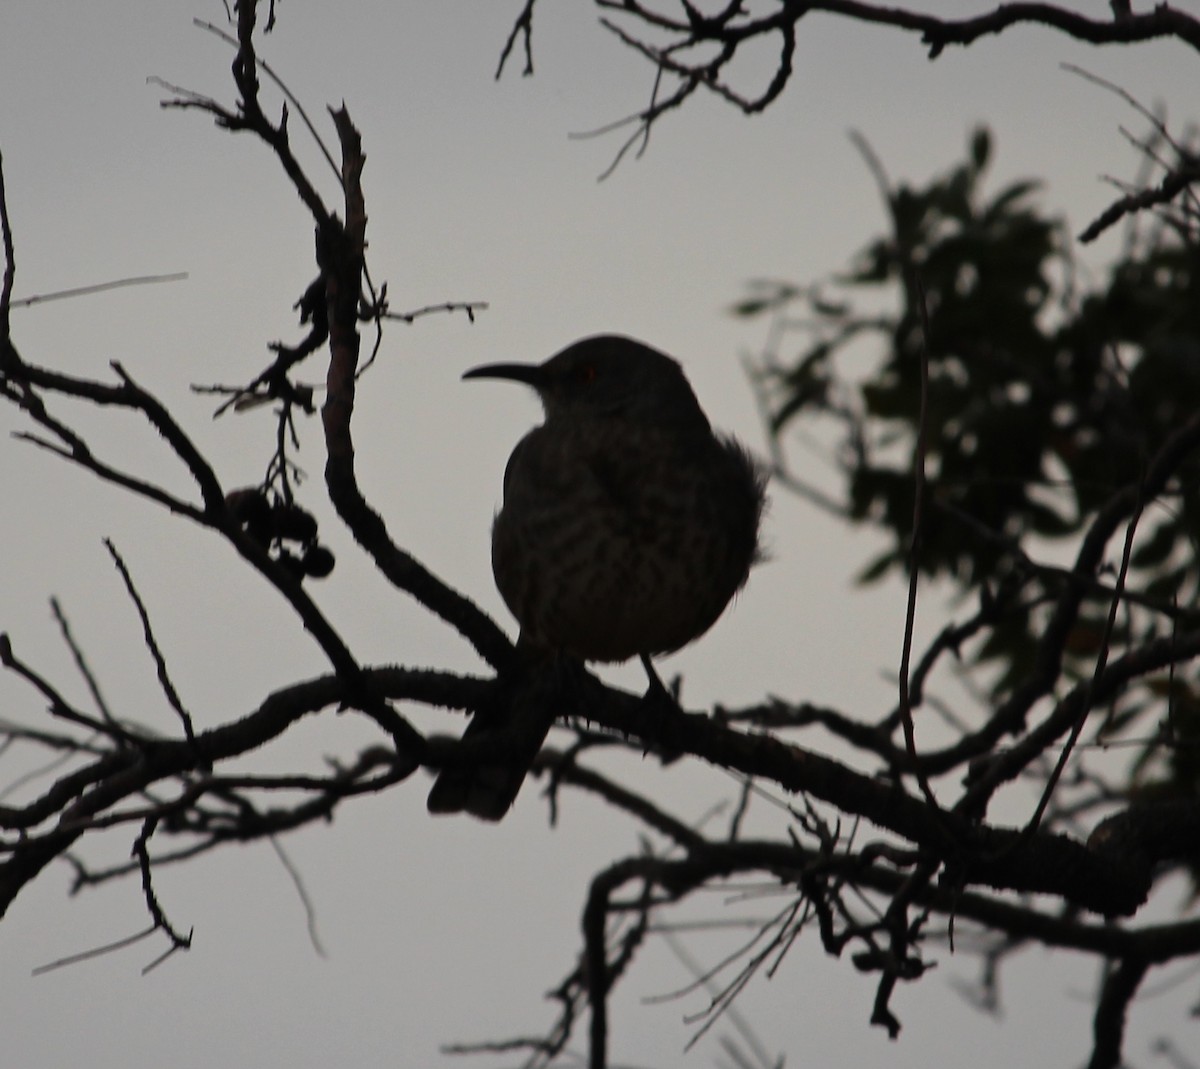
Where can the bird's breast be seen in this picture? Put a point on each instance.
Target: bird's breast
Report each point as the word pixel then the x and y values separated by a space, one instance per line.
pixel 614 541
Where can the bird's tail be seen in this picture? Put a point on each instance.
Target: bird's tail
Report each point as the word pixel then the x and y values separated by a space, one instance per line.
pixel 515 721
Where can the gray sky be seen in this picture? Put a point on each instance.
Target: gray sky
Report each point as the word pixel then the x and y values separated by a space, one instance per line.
pixel 444 930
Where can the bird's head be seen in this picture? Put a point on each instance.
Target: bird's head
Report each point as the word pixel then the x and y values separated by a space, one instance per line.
pixel 607 376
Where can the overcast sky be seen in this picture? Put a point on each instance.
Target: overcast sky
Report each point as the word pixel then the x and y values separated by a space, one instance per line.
pixel 445 930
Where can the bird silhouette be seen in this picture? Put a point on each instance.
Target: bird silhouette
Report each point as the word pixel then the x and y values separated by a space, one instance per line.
pixel 626 528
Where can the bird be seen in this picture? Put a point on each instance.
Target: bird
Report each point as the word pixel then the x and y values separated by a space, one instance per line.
pixel 627 526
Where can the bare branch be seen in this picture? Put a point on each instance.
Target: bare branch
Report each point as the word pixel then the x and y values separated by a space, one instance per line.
pixel 58 705
pixel 1172 184
pixel 340 254
pixel 85 669
pixel 523 28
pixel 178 942
pixel 467 307
pixel 99 287
pixel 919 457
pixel 671 42
pixel 1101 662
pixel 95 952
pixel 10 263
pixel 1119 987
pixel 279 82
pixel 160 664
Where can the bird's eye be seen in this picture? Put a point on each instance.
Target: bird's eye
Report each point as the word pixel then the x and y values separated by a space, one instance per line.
pixel 586 373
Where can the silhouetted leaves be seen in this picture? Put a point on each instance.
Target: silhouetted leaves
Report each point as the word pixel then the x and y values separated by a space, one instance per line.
pixel 1044 400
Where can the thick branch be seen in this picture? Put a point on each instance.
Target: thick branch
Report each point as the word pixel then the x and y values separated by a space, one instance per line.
pixel 995 857
pixel 1117 992
pixel 340 255
pixel 936 32
pixel 83 795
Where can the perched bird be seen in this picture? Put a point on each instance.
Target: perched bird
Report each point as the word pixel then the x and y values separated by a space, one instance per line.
pixel 626 528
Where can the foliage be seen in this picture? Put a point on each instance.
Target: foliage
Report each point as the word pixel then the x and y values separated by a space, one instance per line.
pixel 1045 395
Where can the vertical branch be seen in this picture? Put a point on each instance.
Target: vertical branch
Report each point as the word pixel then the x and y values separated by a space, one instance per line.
pixel 141 852
pixel 10 260
pixel 1120 985
pixel 596 970
pixel 523 28
pixel 914 549
pixel 595 915
pixel 340 254
pixel 1101 663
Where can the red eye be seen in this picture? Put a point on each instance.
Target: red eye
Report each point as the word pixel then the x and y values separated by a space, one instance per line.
pixel 586 373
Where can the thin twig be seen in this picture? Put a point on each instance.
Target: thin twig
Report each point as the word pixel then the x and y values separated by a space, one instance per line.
pixel 310 913
pixel 99 287
pixel 10 259
pixel 282 86
pixel 468 307
pixel 522 27
pixel 95 952
pixel 914 552
pixel 160 662
pixel 1098 671
pixel 142 853
pixel 85 670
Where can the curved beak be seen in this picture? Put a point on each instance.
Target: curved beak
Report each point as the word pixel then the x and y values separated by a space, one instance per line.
pixel 531 374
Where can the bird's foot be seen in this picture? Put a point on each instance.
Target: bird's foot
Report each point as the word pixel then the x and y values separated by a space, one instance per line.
pixel 658 692
pixel 662 706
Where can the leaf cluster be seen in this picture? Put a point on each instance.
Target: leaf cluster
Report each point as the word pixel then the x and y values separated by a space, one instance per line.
pixel 1046 394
